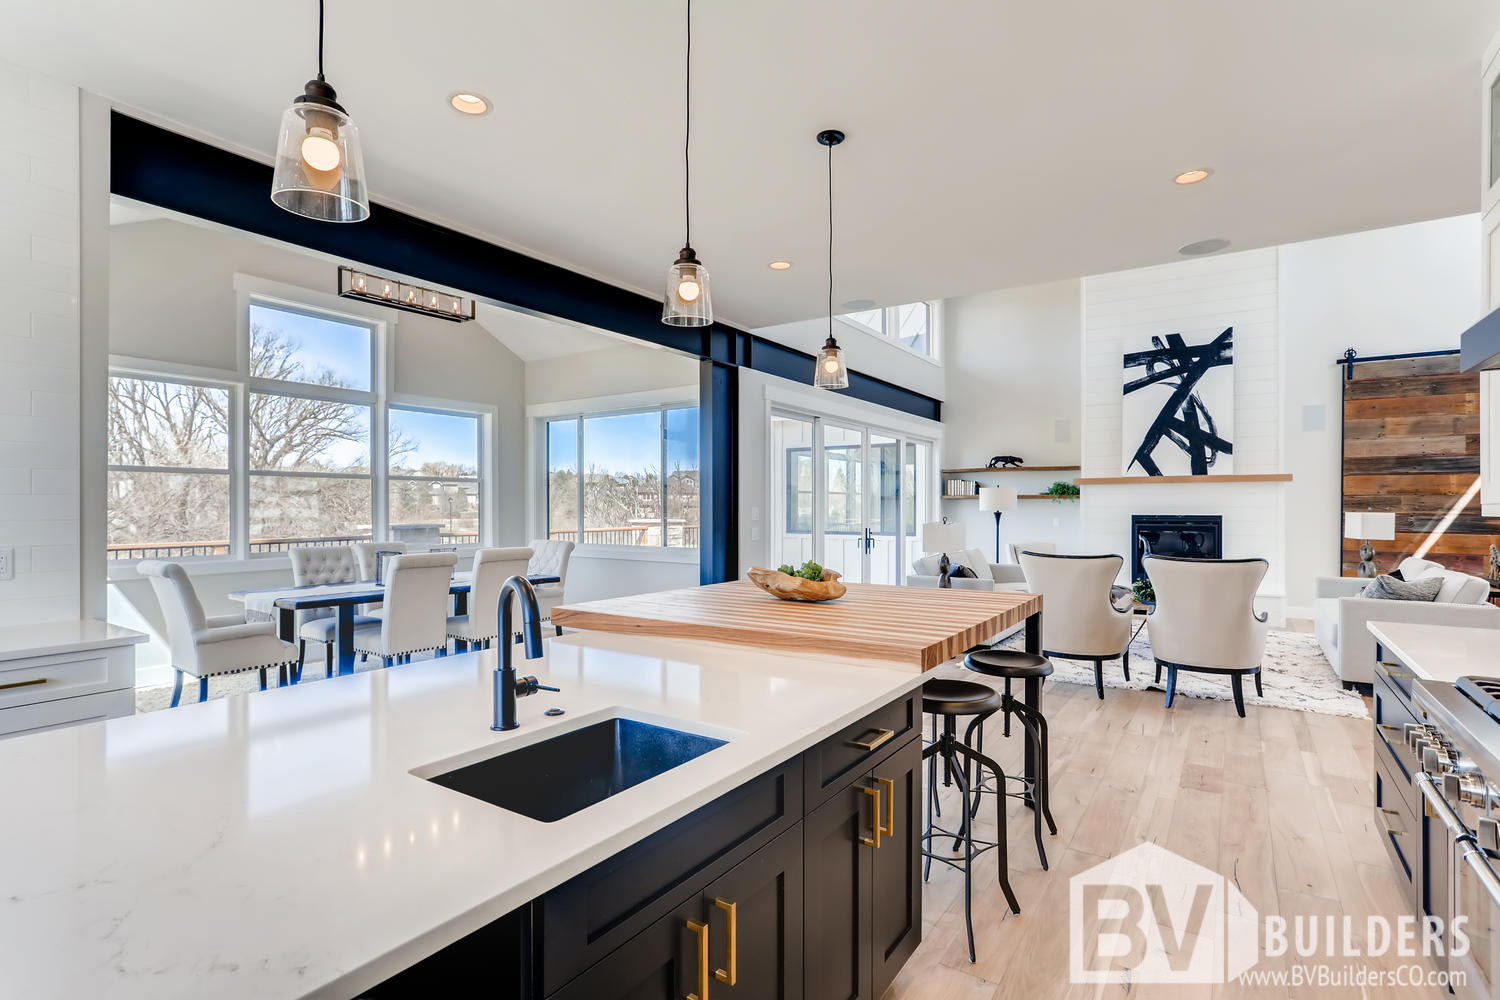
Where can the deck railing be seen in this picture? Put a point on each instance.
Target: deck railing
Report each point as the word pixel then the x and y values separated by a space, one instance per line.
pixel 258 546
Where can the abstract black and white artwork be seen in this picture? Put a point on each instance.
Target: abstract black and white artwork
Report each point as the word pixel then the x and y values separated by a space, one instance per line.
pixel 1178 415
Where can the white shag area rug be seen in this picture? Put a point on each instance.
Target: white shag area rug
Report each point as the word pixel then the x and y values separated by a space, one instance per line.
pixel 1295 674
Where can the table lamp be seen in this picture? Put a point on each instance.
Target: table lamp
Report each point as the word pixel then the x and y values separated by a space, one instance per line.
pixel 1369 526
pixel 940 536
pixel 997 500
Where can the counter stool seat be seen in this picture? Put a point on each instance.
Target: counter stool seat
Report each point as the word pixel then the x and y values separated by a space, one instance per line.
pixel 1009 663
pixel 950 698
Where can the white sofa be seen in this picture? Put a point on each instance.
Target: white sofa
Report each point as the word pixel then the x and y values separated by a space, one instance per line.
pixel 988 576
pixel 1340 614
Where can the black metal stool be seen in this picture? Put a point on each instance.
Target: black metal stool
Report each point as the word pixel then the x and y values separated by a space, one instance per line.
pixel 950 699
pixel 1010 665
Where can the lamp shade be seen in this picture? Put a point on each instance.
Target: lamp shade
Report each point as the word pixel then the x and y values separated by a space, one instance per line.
pixel 1369 525
pixel 997 498
pixel 938 536
pixel 320 172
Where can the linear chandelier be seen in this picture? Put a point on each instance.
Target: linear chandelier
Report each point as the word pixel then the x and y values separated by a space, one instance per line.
pixel 396 294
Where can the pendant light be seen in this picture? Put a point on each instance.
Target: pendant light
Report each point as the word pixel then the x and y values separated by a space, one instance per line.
pixel 831 372
pixel 686 302
pixel 320 173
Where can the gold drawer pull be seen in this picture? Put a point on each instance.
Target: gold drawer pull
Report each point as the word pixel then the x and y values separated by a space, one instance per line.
pixel 23 684
pixel 702 931
pixel 873 793
pixel 731 975
pixel 890 808
pixel 883 736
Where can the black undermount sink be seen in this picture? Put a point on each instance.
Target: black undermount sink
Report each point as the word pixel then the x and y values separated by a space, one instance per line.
pixel 555 778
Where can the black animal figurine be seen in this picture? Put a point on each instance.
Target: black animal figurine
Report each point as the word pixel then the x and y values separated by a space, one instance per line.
pixel 1005 462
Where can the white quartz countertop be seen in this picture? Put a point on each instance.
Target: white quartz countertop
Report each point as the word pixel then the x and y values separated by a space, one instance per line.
pixel 276 844
pixel 17 641
pixel 1440 652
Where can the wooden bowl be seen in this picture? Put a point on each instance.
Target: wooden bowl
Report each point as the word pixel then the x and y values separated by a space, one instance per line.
pixel 795 588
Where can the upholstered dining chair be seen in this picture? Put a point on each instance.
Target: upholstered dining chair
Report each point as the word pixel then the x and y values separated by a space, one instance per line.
pixel 492 567
pixel 1205 619
pixel 1080 621
pixel 365 555
pixel 415 617
pixel 550 557
pixel 205 646
pixel 312 566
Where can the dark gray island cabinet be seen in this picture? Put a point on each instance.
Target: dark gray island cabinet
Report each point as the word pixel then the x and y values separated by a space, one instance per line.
pixel 803 882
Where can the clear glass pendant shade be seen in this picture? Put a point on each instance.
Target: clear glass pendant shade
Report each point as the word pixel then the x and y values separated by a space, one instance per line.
pixel 320 172
pixel 687 302
pixel 831 372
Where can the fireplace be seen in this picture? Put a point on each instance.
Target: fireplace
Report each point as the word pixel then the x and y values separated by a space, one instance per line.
pixel 1198 536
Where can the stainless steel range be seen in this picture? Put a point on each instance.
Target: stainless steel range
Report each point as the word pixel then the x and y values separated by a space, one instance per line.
pixel 1455 747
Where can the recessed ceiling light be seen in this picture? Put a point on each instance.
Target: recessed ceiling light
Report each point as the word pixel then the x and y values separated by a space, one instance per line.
pixel 1203 247
pixel 859 304
pixel 780 265
pixel 469 104
pixel 1192 176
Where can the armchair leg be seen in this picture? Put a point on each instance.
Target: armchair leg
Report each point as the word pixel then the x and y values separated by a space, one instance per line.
pixel 1125 662
pixel 1237 683
pixel 1171 681
pixel 1099 678
pixel 202 689
pixel 176 687
pixel 1158 671
pixel 1258 692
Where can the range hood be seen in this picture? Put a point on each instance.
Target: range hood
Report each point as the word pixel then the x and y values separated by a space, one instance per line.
pixel 1480 345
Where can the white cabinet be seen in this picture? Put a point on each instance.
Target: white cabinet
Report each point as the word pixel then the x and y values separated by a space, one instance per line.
pixel 63 673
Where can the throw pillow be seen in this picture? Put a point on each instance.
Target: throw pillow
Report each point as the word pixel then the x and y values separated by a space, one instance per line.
pixel 963 572
pixel 1387 588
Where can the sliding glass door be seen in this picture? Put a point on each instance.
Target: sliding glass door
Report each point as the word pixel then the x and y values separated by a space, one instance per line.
pixel 849 497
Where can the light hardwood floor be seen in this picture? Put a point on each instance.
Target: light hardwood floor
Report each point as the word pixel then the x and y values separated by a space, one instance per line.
pixel 1279 801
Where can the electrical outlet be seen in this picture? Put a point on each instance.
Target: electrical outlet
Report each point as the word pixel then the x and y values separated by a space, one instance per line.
pixel 755 513
pixel 754 534
pixel 7 564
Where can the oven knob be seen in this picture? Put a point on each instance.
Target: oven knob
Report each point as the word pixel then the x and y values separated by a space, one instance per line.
pixel 1488 835
pixel 1409 732
pixel 1452 789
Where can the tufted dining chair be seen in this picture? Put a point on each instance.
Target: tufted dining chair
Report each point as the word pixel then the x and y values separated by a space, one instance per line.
pixel 312 566
pixel 550 557
pixel 415 617
pixel 205 646
pixel 1205 619
pixel 492 567
pixel 1081 621
pixel 364 555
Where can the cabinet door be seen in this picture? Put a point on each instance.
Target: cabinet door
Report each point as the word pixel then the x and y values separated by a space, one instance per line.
pixel 755 925
pixel 659 963
pixel 836 890
pixel 896 877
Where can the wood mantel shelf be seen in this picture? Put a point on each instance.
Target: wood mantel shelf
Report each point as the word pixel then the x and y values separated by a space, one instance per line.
pixel 1269 477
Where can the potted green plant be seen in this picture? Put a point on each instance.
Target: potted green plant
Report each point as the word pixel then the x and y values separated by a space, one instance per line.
pixel 1061 490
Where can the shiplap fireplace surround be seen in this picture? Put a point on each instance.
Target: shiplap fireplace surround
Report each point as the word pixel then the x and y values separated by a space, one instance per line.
pixel 1192 298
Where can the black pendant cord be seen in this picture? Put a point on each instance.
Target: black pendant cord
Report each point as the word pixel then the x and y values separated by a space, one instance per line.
pixel 830 241
pixel 687 134
pixel 320 39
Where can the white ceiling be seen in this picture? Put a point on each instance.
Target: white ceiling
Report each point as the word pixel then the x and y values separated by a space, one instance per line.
pixel 991 143
pixel 532 338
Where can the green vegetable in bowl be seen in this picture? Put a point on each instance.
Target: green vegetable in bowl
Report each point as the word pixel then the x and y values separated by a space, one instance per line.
pixel 809 571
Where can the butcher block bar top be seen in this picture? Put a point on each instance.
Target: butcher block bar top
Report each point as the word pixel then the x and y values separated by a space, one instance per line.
pixel 915 626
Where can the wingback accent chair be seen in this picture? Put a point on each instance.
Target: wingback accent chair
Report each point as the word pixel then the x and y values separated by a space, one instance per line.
pixel 1042 548
pixel 207 645
pixel 312 566
pixel 1205 619
pixel 492 567
pixel 415 615
pixel 550 557
pixel 1081 622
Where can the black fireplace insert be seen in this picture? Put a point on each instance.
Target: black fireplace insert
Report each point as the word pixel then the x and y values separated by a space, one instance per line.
pixel 1198 536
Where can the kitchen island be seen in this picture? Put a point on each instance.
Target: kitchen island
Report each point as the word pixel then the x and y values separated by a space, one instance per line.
pixel 285 843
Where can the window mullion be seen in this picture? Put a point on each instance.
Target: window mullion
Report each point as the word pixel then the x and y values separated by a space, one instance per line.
pixel 579 484
pixel 239 478
pixel 662 426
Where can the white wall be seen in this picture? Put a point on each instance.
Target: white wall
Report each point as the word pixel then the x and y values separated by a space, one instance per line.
pixel 608 372
pixel 1388 291
pixel 39 346
pixel 1012 360
pixel 865 353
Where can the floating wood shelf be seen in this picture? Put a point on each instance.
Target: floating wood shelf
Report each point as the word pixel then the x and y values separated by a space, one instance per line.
pixel 1022 496
pixel 1270 477
pixel 1024 468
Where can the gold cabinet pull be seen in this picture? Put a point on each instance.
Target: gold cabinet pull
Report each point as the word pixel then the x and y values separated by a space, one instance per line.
pixel 882 736
pixel 23 684
pixel 890 808
pixel 873 793
pixel 702 931
pixel 730 975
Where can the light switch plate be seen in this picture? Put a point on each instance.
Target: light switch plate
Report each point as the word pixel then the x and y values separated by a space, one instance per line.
pixel 7 564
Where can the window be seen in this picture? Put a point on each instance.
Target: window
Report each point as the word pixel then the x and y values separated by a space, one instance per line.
pixel 434 473
pixel 912 325
pixel 168 479
pixel 283 452
pixel 308 429
pixel 632 476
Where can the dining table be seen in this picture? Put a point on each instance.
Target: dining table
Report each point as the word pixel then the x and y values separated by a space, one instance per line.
pixel 281 604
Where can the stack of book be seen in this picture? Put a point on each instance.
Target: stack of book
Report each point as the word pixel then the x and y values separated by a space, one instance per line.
pixel 960 488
